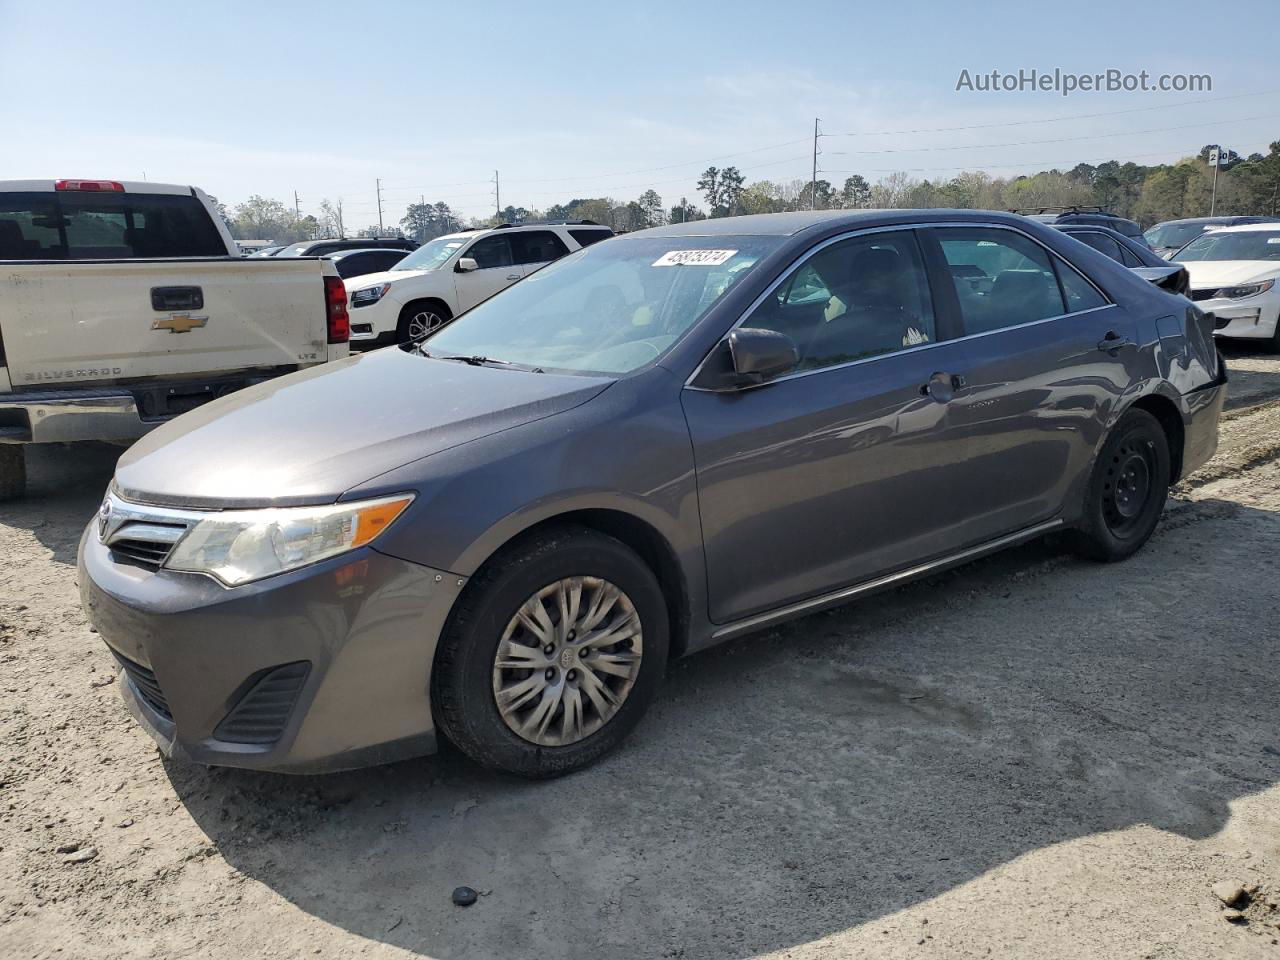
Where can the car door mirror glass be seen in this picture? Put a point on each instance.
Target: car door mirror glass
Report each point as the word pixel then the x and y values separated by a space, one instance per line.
pixel 760 355
pixel 467 264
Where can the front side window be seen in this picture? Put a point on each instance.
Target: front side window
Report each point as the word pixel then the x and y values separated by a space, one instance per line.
pixel 858 298
pixel 607 309
pixel 490 252
pixel 586 238
pixel 1002 278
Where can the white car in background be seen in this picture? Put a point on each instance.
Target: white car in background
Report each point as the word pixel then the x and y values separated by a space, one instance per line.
pixel 453 273
pixel 1234 273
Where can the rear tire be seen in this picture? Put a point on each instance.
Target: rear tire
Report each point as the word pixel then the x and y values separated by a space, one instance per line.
pixel 13 471
pixel 479 662
pixel 420 318
pixel 1127 490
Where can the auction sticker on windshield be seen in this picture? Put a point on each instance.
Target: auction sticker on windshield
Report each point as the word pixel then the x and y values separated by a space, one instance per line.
pixel 693 258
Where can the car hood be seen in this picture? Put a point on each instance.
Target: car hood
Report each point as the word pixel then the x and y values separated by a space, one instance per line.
pixel 1226 273
pixel 387 276
pixel 309 436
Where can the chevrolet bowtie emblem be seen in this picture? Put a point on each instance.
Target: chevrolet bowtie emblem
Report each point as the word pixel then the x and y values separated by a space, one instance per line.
pixel 179 323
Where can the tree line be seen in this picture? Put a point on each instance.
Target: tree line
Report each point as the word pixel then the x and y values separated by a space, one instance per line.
pixel 1146 193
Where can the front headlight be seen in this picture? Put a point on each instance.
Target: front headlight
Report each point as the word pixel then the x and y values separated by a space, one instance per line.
pixel 238 546
pixel 1245 290
pixel 368 295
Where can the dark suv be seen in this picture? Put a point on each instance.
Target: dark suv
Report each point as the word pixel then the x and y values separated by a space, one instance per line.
pixel 1091 216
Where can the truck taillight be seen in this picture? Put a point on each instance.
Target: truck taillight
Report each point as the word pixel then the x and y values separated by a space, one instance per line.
pixel 90 186
pixel 335 298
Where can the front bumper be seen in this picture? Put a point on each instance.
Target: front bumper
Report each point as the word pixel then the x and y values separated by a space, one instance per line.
pixel 1249 318
pixel 365 626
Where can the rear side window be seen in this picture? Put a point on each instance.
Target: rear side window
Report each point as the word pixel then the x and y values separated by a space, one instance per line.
pixel 105 226
pixel 1100 242
pixel 1002 278
pixel 536 246
pixel 587 237
pixel 1077 291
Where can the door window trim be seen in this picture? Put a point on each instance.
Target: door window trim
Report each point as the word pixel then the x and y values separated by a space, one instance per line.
pixel 916 228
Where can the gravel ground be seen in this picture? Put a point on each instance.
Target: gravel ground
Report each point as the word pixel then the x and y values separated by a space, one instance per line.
pixel 1032 756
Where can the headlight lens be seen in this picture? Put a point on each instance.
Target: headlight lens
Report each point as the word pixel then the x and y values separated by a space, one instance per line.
pixel 239 546
pixel 1245 290
pixel 368 295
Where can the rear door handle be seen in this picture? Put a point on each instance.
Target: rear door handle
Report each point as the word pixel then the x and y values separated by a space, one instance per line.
pixel 1113 341
pixel 513 276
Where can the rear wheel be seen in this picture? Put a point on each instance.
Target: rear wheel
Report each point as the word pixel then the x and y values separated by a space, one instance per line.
pixel 553 655
pixel 1127 489
pixel 13 471
pixel 421 318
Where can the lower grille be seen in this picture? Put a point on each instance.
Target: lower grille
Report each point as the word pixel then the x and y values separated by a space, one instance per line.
pixel 142 552
pixel 1203 294
pixel 144 681
pixel 262 713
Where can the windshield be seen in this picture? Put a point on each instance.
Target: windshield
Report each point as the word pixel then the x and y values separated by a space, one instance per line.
pixel 1175 234
pixel 610 308
pixel 1220 245
pixel 433 255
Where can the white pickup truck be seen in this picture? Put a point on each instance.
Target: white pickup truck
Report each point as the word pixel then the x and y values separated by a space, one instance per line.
pixel 123 305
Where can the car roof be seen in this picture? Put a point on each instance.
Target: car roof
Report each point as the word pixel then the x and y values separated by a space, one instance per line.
pixel 790 224
pixel 130 186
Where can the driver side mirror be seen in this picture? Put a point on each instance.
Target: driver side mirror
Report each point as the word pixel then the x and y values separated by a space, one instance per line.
pixel 758 355
pixel 466 265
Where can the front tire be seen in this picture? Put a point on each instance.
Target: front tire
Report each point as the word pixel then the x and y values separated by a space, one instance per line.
pixel 1127 490
pixel 420 319
pixel 555 651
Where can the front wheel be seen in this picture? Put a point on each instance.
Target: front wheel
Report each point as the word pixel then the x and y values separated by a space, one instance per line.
pixel 555 652
pixel 1127 490
pixel 418 320
pixel 13 471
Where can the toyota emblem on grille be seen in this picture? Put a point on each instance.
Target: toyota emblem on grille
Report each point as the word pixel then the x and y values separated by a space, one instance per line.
pixel 104 515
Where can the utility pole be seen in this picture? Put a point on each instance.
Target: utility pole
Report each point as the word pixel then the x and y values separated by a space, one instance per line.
pixel 497 199
pixel 813 184
pixel 379 183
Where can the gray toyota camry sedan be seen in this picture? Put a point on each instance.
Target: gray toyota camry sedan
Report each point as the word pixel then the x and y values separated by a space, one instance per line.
pixel 502 534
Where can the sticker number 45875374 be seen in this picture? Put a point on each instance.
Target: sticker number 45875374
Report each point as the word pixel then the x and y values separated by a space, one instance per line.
pixel 693 258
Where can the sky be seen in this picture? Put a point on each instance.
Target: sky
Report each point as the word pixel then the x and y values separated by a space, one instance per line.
pixel 571 99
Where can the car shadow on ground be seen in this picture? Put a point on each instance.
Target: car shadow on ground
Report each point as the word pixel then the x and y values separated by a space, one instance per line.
pixel 65 485
pixel 819 776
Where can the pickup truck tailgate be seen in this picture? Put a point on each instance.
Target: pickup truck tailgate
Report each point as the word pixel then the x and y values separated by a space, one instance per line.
pixel 73 322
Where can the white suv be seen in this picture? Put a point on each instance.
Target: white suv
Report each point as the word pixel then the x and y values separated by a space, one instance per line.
pixel 453 273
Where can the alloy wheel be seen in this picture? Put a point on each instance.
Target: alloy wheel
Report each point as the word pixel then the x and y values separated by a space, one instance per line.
pixel 567 660
pixel 422 323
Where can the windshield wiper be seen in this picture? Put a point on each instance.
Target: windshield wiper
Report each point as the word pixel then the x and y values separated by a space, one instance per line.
pixel 477 361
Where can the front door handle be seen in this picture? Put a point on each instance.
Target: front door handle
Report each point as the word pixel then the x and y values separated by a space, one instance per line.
pixel 942 386
pixel 1113 341
pixel 513 276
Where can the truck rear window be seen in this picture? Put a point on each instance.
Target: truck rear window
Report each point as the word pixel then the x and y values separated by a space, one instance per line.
pixel 105 226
